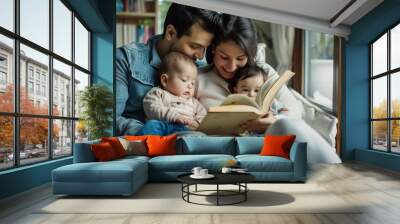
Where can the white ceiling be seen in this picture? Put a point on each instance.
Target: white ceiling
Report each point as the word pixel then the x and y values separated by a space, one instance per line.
pixel 306 14
pixel 320 9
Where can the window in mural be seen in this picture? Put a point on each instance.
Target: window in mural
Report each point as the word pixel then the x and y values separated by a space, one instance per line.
pixel 319 75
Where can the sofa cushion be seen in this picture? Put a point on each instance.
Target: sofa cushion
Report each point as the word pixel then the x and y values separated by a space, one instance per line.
pixel 118 177
pixel 129 159
pixel 249 145
pixel 185 163
pixel 135 137
pixel 111 171
pixel 116 145
pixel 277 145
pixel 161 145
pixel 135 147
pixel 257 163
pixel 103 152
pixel 197 145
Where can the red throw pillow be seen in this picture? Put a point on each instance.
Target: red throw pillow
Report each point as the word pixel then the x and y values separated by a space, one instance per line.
pixel 277 145
pixel 103 152
pixel 161 145
pixel 116 145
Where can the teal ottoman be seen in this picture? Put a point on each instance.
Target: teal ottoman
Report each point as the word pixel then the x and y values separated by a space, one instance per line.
pixel 118 177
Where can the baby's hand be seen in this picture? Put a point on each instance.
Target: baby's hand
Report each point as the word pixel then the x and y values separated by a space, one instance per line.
pixel 183 120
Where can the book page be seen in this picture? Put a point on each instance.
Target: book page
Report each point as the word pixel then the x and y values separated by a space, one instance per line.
pixel 225 123
pixel 235 108
pixel 239 99
pixel 268 92
pixel 264 90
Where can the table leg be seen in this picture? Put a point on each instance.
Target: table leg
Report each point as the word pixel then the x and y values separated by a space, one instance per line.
pixel 188 189
pixel 196 188
pixel 182 190
pixel 245 191
pixel 217 194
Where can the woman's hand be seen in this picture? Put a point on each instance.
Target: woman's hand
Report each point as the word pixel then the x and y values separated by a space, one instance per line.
pixel 193 125
pixel 259 125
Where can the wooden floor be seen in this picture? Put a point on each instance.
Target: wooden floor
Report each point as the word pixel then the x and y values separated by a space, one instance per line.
pixel 378 188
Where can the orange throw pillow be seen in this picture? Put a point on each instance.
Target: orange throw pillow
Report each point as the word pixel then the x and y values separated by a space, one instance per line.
pixel 161 145
pixel 135 137
pixel 116 145
pixel 103 151
pixel 277 145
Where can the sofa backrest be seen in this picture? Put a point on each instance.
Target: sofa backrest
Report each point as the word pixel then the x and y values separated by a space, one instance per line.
pixel 249 145
pixel 191 145
pixel 206 145
pixel 83 152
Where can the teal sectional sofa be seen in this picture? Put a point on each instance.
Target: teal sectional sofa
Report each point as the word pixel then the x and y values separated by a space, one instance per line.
pixel 125 176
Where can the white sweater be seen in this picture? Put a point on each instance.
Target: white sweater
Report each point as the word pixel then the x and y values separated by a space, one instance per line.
pixel 162 105
pixel 211 89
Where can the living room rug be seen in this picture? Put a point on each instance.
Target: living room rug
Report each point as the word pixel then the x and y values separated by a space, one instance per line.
pixel 166 198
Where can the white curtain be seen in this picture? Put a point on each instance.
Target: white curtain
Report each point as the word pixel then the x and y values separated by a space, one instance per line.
pixel 283 41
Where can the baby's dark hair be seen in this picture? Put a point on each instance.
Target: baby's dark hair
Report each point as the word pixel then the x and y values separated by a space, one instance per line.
pixel 171 62
pixel 244 73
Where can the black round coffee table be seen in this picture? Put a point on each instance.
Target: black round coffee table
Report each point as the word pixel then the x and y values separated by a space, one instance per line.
pixel 238 179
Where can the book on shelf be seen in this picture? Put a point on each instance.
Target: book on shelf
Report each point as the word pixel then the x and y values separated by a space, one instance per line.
pixel 120 36
pixel 131 32
pixel 139 5
pixel 226 118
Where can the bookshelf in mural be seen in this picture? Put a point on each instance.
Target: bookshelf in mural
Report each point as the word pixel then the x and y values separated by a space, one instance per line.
pixel 136 20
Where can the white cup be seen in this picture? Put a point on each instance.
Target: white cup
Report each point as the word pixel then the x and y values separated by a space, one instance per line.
pixel 203 172
pixel 226 170
pixel 196 170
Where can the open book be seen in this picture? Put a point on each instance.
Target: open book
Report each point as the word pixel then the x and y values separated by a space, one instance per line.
pixel 238 108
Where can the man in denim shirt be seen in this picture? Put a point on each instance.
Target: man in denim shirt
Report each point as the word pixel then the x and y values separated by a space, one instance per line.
pixel 186 29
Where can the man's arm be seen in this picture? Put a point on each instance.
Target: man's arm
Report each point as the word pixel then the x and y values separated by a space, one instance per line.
pixel 125 126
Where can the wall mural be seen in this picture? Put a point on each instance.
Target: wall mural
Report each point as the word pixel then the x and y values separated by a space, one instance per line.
pixel 202 72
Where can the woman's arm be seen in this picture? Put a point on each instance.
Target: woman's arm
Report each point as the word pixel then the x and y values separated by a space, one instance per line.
pixel 259 125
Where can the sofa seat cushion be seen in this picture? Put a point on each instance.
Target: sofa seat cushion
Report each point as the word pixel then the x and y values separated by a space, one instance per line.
pixel 133 158
pixel 185 163
pixel 112 171
pixel 257 163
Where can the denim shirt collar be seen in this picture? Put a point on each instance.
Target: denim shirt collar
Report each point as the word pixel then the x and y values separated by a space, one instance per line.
pixel 154 57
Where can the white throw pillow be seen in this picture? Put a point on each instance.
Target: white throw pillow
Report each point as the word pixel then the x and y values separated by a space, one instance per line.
pixel 326 126
pixel 323 122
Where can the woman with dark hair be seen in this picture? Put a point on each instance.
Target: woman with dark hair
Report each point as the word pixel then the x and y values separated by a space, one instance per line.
pixel 234 47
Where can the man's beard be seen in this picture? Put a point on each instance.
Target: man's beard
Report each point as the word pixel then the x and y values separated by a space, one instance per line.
pixel 174 47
